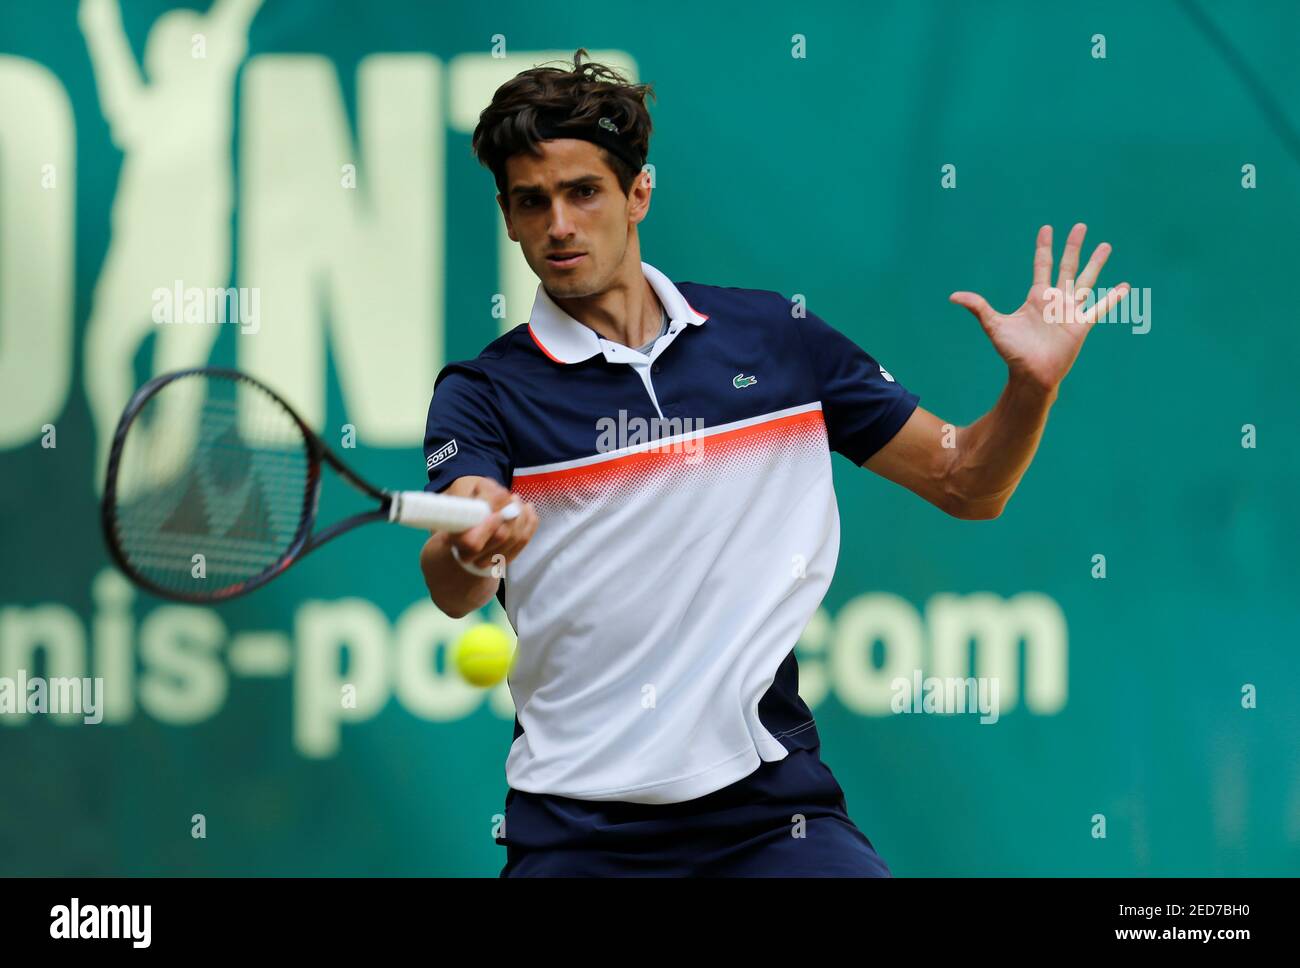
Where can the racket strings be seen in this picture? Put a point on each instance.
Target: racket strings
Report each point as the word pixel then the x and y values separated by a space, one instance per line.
pixel 211 466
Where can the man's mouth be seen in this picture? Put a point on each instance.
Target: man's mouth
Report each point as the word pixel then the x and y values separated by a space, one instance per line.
pixel 565 260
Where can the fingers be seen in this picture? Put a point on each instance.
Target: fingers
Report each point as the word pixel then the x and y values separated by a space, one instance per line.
pixel 497 535
pixel 473 541
pixel 483 489
pixel 477 540
pixel 509 538
pixel 522 532
pixel 1070 257
pixel 1043 257
pixel 1093 269
pixel 974 302
pixel 1112 300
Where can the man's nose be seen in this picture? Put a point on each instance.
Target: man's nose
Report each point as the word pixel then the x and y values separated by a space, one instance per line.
pixel 561 225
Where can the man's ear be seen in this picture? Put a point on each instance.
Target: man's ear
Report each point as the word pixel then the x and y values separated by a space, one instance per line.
pixel 639 195
pixel 504 204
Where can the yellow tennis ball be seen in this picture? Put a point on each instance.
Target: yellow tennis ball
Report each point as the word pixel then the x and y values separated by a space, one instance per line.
pixel 483 655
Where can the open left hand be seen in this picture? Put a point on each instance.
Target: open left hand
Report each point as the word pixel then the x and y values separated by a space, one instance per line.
pixel 1042 338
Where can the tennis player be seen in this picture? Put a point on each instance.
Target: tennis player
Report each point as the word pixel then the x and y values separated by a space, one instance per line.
pixel 670 445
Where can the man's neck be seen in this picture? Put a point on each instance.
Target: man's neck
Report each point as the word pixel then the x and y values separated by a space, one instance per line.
pixel 628 312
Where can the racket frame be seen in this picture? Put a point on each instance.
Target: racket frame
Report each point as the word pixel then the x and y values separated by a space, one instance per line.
pixel 303 541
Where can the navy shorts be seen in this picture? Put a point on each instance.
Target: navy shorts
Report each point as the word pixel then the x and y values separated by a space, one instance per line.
pixel 786 819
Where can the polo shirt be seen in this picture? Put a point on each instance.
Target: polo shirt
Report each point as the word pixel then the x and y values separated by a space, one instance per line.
pixel 688 530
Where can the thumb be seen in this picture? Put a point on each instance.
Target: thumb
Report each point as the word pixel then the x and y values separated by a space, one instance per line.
pixel 974 302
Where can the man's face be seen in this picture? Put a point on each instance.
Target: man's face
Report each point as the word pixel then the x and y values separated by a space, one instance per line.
pixel 568 214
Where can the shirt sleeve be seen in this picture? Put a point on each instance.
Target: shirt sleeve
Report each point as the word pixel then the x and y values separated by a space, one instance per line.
pixel 465 433
pixel 862 404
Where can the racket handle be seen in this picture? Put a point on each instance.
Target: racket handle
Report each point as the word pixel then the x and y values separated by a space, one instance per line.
pixel 441 512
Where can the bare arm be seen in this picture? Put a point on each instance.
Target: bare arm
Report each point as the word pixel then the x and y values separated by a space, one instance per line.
pixel 117 75
pixel 968 472
pixel 972 471
pixel 494 542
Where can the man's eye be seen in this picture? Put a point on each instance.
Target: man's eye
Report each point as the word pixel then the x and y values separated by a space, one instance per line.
pixel 587 188
pixel 528 202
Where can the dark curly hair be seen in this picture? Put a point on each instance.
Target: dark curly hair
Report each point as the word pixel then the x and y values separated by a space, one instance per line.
pixel 508 126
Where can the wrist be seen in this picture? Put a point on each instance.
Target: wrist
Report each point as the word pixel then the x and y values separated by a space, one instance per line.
pixel 1031 390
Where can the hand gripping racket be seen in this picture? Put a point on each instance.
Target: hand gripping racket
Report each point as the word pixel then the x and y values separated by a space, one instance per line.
pixel 213 485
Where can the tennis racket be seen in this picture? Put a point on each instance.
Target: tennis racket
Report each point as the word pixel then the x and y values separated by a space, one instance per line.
pixel 213 485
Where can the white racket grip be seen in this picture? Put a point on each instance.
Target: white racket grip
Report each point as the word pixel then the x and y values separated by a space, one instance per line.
pixel 442 512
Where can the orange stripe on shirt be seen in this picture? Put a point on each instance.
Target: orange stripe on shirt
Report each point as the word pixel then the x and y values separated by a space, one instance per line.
pixel 668 454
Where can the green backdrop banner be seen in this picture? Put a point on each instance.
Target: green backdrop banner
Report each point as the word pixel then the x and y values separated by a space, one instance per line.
pixel 1136 602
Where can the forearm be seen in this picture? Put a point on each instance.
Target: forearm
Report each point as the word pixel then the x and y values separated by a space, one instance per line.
pixel 993 453
pixel 453 589
pixel 117 76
